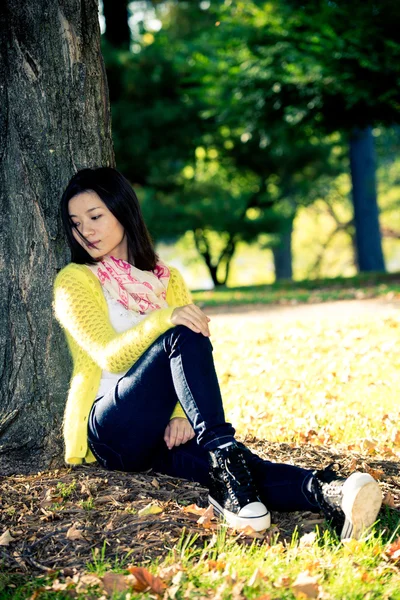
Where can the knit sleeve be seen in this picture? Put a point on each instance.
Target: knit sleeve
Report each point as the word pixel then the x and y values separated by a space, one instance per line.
pixel 180 291
pixel 80 313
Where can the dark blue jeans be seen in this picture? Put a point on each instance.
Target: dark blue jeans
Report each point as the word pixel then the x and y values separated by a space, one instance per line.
pixel 126 426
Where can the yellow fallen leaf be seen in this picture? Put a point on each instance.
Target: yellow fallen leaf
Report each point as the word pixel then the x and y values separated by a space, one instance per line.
pixel 306 586
pixel 150 509
pixel 5 538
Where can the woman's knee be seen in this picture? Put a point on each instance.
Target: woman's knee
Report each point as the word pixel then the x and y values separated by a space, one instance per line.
pixel 182 332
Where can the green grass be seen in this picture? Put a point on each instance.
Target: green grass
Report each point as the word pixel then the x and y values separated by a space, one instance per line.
pixel 222 566
pixel 366 285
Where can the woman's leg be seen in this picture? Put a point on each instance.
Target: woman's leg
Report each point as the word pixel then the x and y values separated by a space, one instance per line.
pixel 130 419
pixel 281 487
pixel 126 426
pixel 351 505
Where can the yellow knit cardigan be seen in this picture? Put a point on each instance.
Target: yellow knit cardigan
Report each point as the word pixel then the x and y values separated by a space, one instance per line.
pixel 81 309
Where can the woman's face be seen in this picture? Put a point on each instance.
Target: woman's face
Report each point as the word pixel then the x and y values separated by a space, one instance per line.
pixel 96 222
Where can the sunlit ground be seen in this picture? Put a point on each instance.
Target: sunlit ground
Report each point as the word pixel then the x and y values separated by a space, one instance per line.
pixel 325 383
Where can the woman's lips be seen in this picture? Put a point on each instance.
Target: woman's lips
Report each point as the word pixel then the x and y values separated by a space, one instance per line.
pixel 92 244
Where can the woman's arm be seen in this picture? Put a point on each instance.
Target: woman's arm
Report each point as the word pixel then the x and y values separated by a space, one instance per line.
pixel 79 313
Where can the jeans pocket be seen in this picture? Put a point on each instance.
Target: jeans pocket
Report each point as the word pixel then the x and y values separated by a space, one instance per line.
pixel 106 456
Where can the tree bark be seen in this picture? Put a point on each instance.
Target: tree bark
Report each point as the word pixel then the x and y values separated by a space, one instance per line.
pixel 54 120
pixel 366 212
pixel 283 254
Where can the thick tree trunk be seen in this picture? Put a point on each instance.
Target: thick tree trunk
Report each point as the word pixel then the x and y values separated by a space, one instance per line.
pixel 283 254
pixel 54 120
pixel 366 212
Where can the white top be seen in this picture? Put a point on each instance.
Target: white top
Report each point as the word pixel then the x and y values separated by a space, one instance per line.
pixel 121 319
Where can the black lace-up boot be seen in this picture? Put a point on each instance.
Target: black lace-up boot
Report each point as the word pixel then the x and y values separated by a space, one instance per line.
pixel 351 505
pixel 232 492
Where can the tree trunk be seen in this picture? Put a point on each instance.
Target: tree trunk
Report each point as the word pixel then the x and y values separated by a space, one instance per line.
pixel 283 254
pixel 366 212
pixel 54 120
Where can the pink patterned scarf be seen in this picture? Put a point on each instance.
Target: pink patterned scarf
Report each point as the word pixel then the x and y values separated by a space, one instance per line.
pixel 140 291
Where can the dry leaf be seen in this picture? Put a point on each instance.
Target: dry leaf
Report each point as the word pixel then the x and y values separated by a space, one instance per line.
pixel 193 509
pixel 150 509
pixel 216 565
pixel 306 586
pixel 283 582
pixel 389 500
pixel 205 519
pixel 145 580
pixel 375 473
pixel 307 539
pixel 393 550
pixel 5 538
pixel 114 582
pixel 167 573
pixel 250 532
pixel 176 584
pixel 74 533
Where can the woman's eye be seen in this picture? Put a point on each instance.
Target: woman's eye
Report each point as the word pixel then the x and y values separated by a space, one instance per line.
pixel 95 218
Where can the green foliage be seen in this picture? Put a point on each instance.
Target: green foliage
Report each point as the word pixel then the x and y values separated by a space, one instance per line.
pixel 226 119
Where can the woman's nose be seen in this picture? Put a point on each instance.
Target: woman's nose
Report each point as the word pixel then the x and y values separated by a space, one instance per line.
pixel 87 228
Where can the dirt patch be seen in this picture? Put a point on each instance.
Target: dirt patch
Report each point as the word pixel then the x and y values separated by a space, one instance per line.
pixel 67 518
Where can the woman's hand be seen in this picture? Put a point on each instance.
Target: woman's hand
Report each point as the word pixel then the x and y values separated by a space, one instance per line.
pixel 193 317
pixel 178 431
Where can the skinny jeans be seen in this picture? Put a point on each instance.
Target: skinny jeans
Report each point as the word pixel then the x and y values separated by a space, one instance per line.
pixel 126 426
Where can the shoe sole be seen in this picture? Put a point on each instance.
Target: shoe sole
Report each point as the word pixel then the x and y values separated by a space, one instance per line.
pixel 257 523
pixel 362 499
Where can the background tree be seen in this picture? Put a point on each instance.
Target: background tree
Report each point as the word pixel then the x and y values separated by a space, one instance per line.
pixel 54 120
pixel 333 76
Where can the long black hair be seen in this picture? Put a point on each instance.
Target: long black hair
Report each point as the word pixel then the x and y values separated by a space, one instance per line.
pixel 119 197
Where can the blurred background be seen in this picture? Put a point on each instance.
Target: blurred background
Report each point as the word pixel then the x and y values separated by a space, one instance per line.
pixel 262 138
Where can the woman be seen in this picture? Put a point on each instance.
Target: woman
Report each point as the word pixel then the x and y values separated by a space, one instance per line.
pixel 144 392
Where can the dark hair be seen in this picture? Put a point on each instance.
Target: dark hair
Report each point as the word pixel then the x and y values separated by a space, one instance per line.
pixel 119 197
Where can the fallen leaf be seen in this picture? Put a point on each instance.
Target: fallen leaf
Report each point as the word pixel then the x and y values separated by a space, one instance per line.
pixel 150 509
pixel 216 565
pixel 375 473
pixel 307 539
pixel 145 580
pixel 74 533
pixel 250 532
pixel 283 582
pixel 5 538
pixel 176 584
pixel 167 573
pixel 393 550
pixel 306 586
pixel 389 500
pixel 193 509
pixel 114 583
pixel 205 519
